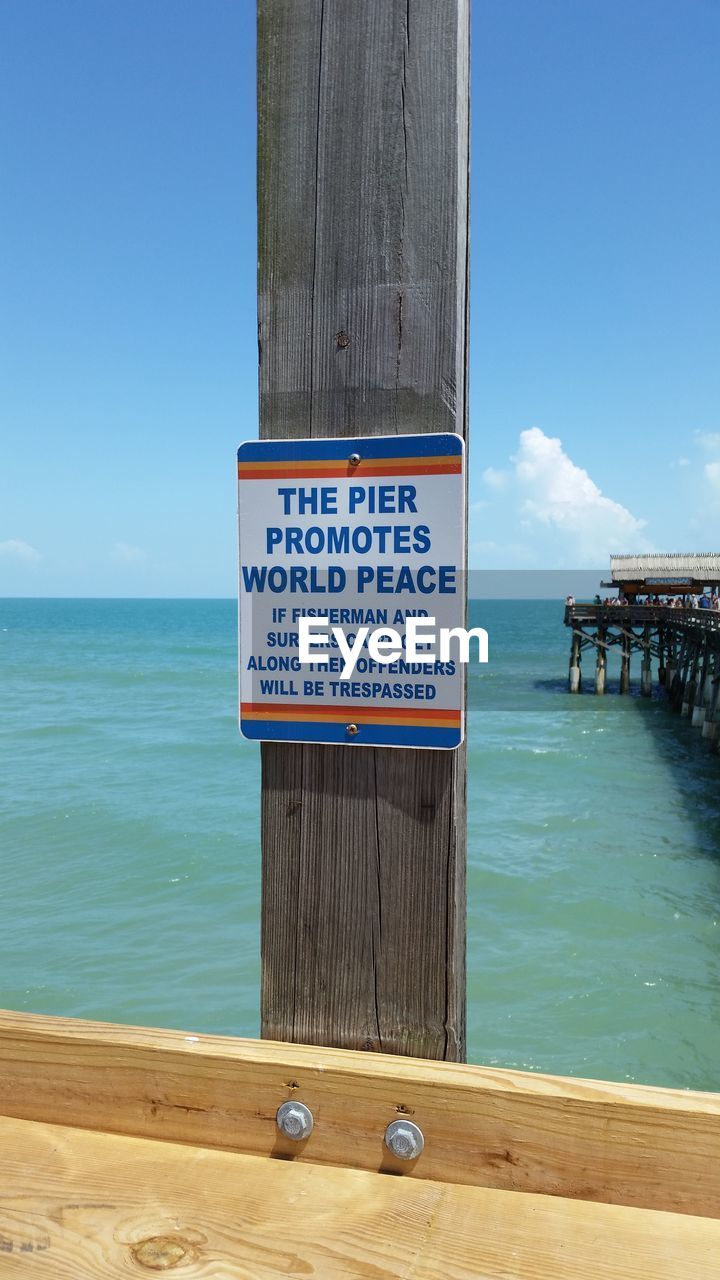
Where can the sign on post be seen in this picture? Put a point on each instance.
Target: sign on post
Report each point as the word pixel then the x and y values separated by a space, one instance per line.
pixel 344 542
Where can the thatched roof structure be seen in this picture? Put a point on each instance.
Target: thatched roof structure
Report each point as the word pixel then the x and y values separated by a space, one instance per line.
pixel 695 569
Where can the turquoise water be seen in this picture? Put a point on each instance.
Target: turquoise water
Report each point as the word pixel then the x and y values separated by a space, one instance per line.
pixel 130 842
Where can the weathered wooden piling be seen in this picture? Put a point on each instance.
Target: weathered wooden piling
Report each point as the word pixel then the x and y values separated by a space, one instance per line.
pixel 363 161
pixel 625 663
pixel 601 662
pixel 646 670
pixel 662 649
pixel 688 700
pixel 680 678
pixel 574 674
pixel 709 729
pixel 670 656
pixel 701 692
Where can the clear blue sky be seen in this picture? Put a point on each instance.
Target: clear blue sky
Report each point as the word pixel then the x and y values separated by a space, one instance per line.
pixel 127 286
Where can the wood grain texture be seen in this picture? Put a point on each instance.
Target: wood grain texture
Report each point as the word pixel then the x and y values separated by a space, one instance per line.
pixel 362 322
pixel 621 1144
pixel 85 1206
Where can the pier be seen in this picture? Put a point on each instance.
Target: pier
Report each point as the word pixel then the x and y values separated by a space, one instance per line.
pixel 656 615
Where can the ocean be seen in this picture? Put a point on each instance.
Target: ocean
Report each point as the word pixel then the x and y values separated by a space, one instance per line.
pixel 129 842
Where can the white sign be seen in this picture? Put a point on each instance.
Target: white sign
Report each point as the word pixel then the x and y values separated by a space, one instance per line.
pixel 352 534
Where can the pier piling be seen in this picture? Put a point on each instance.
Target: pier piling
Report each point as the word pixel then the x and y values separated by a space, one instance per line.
pixel 688 700
pixel 646 670
pixel 680 681
pixel 601 663
pixel 662 650
pixel 670 658
pixel 574 675
pixel 697 707
pixel 709 728
pixel 625 663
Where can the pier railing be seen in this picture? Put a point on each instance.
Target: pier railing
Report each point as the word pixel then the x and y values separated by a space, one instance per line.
pixel 640 615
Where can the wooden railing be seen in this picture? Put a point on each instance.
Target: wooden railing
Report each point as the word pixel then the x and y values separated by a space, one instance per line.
pixel 701 621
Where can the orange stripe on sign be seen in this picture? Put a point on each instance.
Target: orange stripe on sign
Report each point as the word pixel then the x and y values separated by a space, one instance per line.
pixel 330 470
pixel 307 711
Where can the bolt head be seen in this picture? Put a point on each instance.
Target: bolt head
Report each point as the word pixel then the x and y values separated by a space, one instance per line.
pixel 352 729
pixel 404 1139
pixel 354 459
pixel 295 1120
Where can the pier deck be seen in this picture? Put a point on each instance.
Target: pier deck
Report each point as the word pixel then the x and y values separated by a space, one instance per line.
pixel 128 1151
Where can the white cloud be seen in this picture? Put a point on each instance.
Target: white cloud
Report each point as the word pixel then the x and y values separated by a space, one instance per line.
pixel 123 553
pixel 19 550
pixel 507 555
pixel 708 440
pixel 555 492
pixel 709 444
pixel 496 479
pixel 546 511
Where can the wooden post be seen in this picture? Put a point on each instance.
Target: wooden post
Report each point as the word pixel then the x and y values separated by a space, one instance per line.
pixel 698 704
pixel 709 729
pixel 574 674
pixel 601 661
pixel 625 663
pixel 646 670
pixel 363 145
pixel 680 677
pixel 671 652
pixel 678 684
pixel 688 697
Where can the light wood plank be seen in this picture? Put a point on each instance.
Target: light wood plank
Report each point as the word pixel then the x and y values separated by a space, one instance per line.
pixel 363 149
pixel 76 1205
pixel 622 1144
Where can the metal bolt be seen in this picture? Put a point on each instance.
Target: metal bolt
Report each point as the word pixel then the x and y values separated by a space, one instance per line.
pixel 354 459
pixel 404 1139
pixel 351 729
pixel 295 1120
